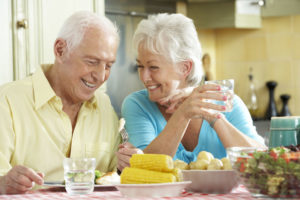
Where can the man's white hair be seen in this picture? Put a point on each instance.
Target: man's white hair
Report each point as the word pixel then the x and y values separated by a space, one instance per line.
pixel 173 36
pixel 76 25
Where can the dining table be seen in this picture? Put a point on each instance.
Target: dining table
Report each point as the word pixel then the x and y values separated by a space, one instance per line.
pixel 107 193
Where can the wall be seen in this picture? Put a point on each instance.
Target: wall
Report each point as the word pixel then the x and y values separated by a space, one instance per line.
pixel 208 42
pixel 272 51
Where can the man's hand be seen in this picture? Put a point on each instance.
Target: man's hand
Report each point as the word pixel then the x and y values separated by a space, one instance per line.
pixel 124 154
pixel 19 180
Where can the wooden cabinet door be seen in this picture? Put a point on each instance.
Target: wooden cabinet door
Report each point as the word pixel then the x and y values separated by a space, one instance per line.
pixel 29 31
pixel 6 61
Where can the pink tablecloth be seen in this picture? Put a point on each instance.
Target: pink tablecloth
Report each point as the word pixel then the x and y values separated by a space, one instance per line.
pixel 112 193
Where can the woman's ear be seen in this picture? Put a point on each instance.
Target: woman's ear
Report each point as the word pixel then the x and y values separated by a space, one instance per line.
pixel 186 67
pixel 60 48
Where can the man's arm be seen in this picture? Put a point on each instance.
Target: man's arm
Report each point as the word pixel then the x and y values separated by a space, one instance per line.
pixel 17 179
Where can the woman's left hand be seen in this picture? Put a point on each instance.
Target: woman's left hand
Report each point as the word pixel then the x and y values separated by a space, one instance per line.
pixel 124 154
pixel 172 102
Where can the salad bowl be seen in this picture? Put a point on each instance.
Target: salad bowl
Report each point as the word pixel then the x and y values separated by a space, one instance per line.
pixel 271 173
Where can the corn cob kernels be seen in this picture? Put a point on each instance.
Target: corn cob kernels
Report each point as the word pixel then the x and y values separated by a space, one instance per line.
pixel 142 176
pixel 178 174
pixel 157 162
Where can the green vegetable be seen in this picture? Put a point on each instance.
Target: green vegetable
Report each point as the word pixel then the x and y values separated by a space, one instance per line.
pixel 98 174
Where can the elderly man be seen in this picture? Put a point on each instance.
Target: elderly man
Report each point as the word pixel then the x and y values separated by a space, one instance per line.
pixel 57 112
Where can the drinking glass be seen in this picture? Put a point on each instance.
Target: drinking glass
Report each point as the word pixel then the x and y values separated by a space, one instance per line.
pixel 79 175
pixel 227 87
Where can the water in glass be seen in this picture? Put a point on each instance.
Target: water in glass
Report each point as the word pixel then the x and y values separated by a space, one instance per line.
pixel 79 174
pixel 79 181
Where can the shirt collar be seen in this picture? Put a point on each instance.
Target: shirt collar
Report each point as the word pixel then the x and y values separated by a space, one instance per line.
pixel 92 103
pixel 43 91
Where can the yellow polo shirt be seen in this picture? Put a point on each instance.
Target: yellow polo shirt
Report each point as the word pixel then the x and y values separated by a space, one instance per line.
pixel 37 133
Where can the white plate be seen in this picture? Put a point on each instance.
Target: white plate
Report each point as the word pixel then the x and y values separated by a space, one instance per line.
pixel 153 190
pixel 56 184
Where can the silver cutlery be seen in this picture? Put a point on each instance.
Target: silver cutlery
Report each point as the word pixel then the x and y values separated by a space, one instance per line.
pixel 123 131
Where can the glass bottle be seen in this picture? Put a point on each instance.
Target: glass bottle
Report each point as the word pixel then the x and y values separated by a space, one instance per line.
pixel 251 97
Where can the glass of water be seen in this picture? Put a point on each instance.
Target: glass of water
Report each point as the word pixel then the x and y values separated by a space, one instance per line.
pixel 227 89
pixel 79 175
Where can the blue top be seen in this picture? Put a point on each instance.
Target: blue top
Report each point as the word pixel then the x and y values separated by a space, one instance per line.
pixel 144 122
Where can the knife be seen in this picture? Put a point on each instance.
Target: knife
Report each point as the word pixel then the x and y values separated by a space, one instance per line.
pixel 54 183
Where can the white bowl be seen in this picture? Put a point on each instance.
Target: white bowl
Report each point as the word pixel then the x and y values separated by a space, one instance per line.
pixel 211 181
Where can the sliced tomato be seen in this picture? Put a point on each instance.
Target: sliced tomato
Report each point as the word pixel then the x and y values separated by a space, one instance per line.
pixel 242 162
pixel 273 154
pixel 286 157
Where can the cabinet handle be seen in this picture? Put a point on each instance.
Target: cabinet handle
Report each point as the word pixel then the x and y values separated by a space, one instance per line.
pixel 260 3
pixel 22 24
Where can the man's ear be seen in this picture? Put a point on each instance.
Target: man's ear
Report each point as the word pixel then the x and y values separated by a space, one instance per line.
pixel 186 67
pixel 60 48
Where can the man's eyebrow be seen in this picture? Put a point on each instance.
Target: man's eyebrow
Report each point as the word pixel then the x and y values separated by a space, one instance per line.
pixel 97 59
pixel 91 57
pixel 147 61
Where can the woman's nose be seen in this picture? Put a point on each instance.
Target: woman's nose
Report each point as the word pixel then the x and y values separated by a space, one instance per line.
pixel 145 75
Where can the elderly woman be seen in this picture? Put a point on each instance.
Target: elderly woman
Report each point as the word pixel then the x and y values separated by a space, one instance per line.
pixel 169 65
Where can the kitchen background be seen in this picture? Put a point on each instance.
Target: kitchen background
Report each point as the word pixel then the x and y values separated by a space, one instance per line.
pixel 236 34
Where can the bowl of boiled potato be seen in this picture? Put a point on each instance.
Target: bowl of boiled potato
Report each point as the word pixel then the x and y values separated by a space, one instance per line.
pixel 209 174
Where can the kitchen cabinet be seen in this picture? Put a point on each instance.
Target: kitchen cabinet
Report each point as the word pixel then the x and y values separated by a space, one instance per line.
pixel 28 32
pixel 278 8
pixel 224 13
pixel 6 61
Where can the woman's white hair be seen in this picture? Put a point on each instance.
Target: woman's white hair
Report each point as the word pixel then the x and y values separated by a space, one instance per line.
pixel 76 25
pixel 173 36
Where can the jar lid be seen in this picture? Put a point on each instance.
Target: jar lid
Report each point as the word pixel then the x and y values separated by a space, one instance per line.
pixel 288 123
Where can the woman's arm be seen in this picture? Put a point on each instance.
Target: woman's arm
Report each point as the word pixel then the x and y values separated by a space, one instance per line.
pixel 147 128
pixel 231 136
pixel 168 140
pixel 236 129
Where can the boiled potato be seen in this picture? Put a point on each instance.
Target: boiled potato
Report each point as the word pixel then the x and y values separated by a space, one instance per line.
pixel 215 164
pixel 226 164
pixel 199 164
pixel 181 165
pixel 204 155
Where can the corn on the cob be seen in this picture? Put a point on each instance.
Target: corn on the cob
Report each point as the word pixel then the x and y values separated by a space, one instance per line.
pixel 178 174
pixel 139 176
pixel 157 162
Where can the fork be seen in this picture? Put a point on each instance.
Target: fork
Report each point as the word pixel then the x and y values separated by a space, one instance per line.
pixel 123 131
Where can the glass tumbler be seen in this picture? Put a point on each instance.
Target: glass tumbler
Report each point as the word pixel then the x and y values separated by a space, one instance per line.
pixel 227 89
pixel 79 175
